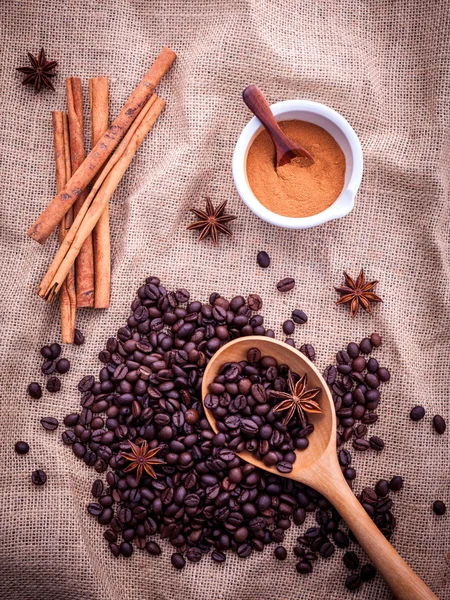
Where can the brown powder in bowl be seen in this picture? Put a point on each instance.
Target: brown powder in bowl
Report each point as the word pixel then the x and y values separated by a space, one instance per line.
pixel 294 190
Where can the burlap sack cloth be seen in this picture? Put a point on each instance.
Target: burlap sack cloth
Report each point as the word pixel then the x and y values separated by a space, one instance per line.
pixel 384 66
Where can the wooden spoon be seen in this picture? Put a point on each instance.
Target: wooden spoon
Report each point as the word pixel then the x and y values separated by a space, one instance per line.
pixel 318 467
pixel 285 149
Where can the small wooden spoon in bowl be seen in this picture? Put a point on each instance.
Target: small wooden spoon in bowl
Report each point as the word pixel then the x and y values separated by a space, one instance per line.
pixel 318 466
pixel 286 150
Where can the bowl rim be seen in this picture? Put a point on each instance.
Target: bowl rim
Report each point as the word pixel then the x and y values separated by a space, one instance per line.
pixel 345 201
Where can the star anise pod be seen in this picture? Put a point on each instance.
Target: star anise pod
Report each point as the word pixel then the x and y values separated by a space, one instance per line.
pixel 211 221
pixel 298 399
pixel 357 293
pixel 142 459
pixel 40 73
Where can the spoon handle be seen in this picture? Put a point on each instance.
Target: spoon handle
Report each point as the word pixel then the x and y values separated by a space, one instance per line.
pixel 401 579
pixel 256 102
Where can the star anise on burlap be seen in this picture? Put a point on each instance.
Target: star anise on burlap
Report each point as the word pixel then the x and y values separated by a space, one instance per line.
pixel 211 221
pixel 142 459
pixel 357 293
pixel 40 73
pixel 298 399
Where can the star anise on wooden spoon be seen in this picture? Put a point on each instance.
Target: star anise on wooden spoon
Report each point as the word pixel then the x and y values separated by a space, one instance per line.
pixel 298 399
pixel 142 459
pixel 358 293
pixel 211 221
pixel 40 73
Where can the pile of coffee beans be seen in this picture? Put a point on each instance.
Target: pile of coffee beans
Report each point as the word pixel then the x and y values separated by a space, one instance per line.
pixel 242 398
pixel 355 382
pixel 204 500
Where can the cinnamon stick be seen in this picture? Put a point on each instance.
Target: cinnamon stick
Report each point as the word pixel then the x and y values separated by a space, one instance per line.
pixel 83 226
pixel 84 266
pixel 52 215
pixel 98 97
pixel 63 171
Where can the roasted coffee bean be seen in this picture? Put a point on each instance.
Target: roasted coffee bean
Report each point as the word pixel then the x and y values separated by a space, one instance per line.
pixel 21 448
pixel 288 327
pixel 35 390
pixel 280 553
pixel 63 365
pixel 341 539
pixel 254 302
pixel 417 413
pixel 79 338
pixel 177 560
pixel 263 259
pixel 330 374
pixel 353 582
pixel 286 285
pixel 376 443
pixel 382 488
pixel 351 561
pixel 439 507
pixel 304 567
pixel 86 383
pixel 49 423
pixel 46 352
pixel 97 488
pixel 361 445
pixel 68 437
pixel 53 385
pixel 308 351
pixel 299 317
pixel 368 572
pixel 218 556
pixel 439 424
pixel 396 483
pixel 153 548
pixel 39 477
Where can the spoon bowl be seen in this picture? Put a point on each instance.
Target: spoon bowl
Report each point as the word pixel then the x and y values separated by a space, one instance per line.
pixel 318 467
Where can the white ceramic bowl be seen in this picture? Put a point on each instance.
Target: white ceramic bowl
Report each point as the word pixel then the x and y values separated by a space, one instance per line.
pixel 337 126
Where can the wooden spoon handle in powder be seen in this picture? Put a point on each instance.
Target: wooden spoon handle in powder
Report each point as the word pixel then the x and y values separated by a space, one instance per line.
pixel 285 149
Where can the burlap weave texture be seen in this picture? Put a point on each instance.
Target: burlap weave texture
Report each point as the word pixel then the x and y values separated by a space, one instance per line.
pixel 383 64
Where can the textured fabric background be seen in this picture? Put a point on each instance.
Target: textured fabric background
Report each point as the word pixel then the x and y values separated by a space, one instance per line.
pixel 384 65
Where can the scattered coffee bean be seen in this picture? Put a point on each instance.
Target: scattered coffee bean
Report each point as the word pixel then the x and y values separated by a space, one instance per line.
pixel 396 483
pixel 46 352
pixel 48 367
pixel 288 327
pixel 439 507
pixel 308 351
pixel 368 572
pixel 439 424
pixel 351 561
pixel 97 488
pixel 79 338
pixel 263 259
pixel 56 350
pixel 382 488
pixel 299 317
pixel 290 342
pixel 254 302
pixel 417 413
pixel 38 477
pixel 280 553
pixel 286 285
pixel 375 338
pixel 153 549
pixel 361 445
pixel 376 443
pixel 22 448
pixel 63 365
pixel 218 556
pixel 53 384
pixel 353 582
pixel 35 390
pixel 49 423
pixel 177 560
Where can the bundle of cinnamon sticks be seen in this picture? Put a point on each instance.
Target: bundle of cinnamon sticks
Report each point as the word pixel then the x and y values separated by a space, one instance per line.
pixel 80 270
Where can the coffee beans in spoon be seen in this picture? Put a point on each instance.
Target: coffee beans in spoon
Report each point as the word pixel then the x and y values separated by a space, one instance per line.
pixel 263 407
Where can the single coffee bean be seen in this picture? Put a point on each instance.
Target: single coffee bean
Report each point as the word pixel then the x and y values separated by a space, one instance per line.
pixel 286 285
pixel 375 338
pixel 353 582
pixel 330 374
pixel 288 327
pixel 177 560
pixel 56 350
pixel 35 390
pixel 68 437
pixel 153 548
pixel 97 488
pixel 365 346
pixel 48 367
pixel 21 448
pixel 439 507
pixel 376 443
pixel 304 567
pixel 383 374
pixel 263 259
pixel 417 413
pixel 382 488
pixel 299 317
pixel 39 477
pixel 46 352
pixel 86 383
pixel 254 302
pixel 218 556
pixel 308 351
pixel 439 424
pixel 49 423
pixel 79 338
pixel 280 553
pixel 368 572
pixel 396 483
pixel 351 561
pixel 63 365
pixel 353 350
pixel 53 384
pixel 361 445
